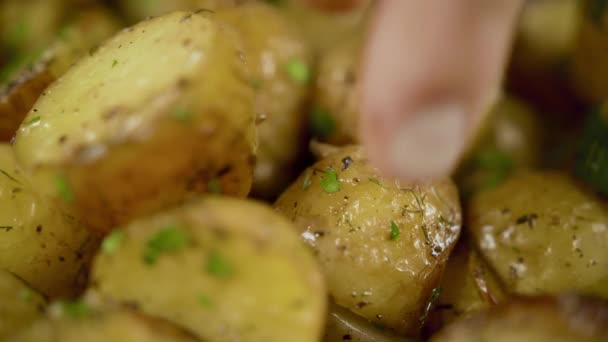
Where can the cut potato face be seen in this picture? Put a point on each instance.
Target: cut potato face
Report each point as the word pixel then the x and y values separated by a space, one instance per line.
pixel 542 233
pixel 281 63
pixel 225 269
pixel 382 244
pixel 530 319
pixel 126 132
pixel 38 243
pixel 19 305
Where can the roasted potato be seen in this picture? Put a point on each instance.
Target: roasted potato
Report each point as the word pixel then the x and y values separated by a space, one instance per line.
pixel 223 268
pixel 137 10
pixel 19 304
pixel 46 248
pixel 125 132
pixel 334 117
pixel 77 38
pixel 75 321
pixel 281 62
pixel 542 233
pixel 561 319
pixel 382 244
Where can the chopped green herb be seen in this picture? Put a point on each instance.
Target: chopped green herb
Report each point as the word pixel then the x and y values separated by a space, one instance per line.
pixel 114 63
pixel 394 231
pixel 215 186
pixel 307 181
pixel 26 295
pixel 167 240
pixel 376 181
pixel 592 154
pixel 9 176
pixel 494 159
pixel 218 265
pixel 182 114
pixel 597 10
pixel 113 241
pixel 322 123
pixel 330 181
pixel 434 296
pixel 75 309
pixel 34 120
pixel 298 71
pixel 204 300
pixel 19 34
pixel 64 190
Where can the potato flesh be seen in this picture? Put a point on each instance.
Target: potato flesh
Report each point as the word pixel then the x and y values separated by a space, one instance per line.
pixel 19 305
pixel 273 291
pixel 541 233
pixel 39 243
pixel 112 126
pixel 386 281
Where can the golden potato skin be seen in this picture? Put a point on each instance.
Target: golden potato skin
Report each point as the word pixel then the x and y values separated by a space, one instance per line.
pixel 385 278
pixel 101 326
pixel 529 319
pixel 77 38
pixel 19 304
pixel 542 233
pixel 124 133
pixel 41 245
pixel 269 287
pixel 336 93
pixel 275 47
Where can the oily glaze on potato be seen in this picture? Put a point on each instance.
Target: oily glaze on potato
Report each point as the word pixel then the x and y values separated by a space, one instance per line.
pixel 38 243
pixel 530 319
pixel 127 131
pixel 542 233
pixel 281 63
pixel 77 322
pixel 76 39
pixel 19 304
pixel 335 114
pixel 225 269
pixel 382 244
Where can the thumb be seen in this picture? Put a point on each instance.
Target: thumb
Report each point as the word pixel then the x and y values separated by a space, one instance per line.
pixel 430 68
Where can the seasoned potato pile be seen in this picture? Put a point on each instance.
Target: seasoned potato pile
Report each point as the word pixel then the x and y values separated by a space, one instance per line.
pixel 281 64
pixel 542 234
pixel 40 244
pixel 225 269
pixel 382 244
pixel 122 134
pixel 20 305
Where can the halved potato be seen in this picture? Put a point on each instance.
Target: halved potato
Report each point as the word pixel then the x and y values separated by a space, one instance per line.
pixel 543 233
pixel 19 305
pixel 224 268
pixel 382 244
pixel 40 244
pixel 126 131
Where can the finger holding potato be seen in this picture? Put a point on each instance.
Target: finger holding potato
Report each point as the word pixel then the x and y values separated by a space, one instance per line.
pixel 382 244
pixel 125 132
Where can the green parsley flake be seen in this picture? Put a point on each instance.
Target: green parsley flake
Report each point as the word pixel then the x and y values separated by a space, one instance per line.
pixel 376 181
pixel 204 301
pixel 322 123
pixel 183 114
pixel 34 120
pixel 64 190
pixel 114 63
pixel 494 159
pixel 307 181
pixel 113 241
pixel 394 231
pixel 167 240
pixel 215 186
pixel 75 309
pixel 218 265
pixel 26 295
pixel 298 71
pixel 330 181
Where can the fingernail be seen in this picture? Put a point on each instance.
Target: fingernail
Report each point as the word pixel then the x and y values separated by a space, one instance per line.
pixel 428 144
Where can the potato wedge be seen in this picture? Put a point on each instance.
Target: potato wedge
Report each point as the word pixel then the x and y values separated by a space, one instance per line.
pixel 281 61
pixel 382 244
pixel 19 305
pixel 41 245
pixel 561 319
pixel 542 233
pixel 223 268
pixel 126 132
pixel 75 40
pixel 78 322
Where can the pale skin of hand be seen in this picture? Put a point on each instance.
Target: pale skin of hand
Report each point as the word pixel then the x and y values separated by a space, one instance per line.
pixel 430 69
